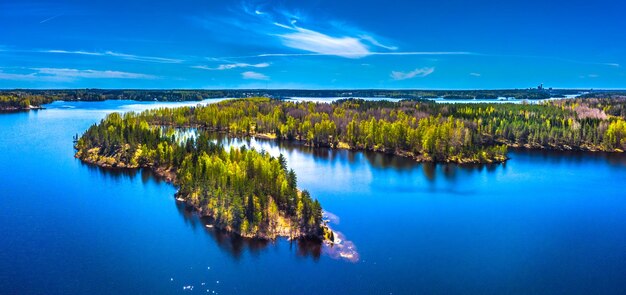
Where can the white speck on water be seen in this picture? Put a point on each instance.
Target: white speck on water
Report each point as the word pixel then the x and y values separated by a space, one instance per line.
pixel 171 279
pixel 217 282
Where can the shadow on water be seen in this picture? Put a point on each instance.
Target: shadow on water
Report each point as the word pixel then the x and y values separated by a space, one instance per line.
pixel 453 171
pixel 118 174
pixel 236 245
pixel 449 171
pixel 376 160
pixel 559 157
pixel 230 243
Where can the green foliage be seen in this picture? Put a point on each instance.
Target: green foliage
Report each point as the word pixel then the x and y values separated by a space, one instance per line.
pixel 382 126
pixel 17 101
pixel 244 190
pixel 429 131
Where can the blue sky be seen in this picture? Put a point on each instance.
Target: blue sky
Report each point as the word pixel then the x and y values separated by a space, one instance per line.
pixel 312 44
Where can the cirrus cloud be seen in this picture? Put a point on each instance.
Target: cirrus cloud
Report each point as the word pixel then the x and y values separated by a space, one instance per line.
pixel 312 41
pixel 125 56
pixel 67 75
pixel 250 75
pixel 421 72
pixel 233 66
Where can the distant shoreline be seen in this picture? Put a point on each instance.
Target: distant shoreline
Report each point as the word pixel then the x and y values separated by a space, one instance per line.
pixel 12 109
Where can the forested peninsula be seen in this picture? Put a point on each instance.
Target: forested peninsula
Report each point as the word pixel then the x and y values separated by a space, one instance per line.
pixel 242 190
pixel 12 102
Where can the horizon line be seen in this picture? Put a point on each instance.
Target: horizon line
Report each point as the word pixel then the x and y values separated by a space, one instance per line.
pixel 321 89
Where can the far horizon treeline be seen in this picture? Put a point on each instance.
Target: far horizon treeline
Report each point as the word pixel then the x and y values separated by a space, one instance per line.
pixel 21 99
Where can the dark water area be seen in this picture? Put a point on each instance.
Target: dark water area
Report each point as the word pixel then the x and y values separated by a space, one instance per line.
pixel 542 223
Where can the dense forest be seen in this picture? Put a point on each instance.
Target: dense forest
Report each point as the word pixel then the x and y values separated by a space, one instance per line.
pixel 477 133
pixel 404 128
pixel 243 190
pixel 18 101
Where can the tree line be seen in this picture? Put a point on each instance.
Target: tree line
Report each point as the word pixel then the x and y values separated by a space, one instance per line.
pixel 17 101
pixel 199 94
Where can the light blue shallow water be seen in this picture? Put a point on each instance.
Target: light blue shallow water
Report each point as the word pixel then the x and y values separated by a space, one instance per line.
pixel 543 223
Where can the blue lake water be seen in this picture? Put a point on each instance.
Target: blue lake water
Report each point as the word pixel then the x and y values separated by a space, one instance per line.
pixel 543 223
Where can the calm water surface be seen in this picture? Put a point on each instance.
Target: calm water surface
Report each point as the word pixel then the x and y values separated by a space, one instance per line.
pixel 543 223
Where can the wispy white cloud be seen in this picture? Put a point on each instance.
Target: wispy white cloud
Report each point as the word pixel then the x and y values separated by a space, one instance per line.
pixel 375 42
pixel 118 55
pixel 17 77
pixel 250 75
pixel 91 74
pixel 423 72
pixel 424 53
pixel 294 30
pixel 474 74
pixel 78 52
pixel 143 58
pixel 233 66
pixel 67 75
pixel 312 41
pixel 348 54
pixel 50 18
